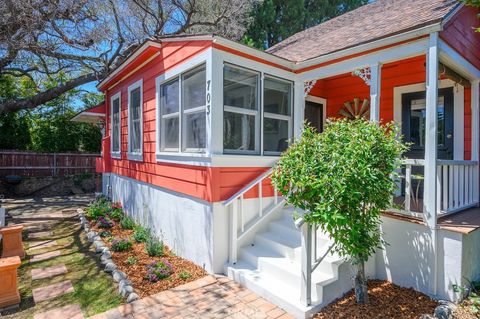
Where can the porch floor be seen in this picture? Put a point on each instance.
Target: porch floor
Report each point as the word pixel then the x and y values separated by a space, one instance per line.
pixel 464 222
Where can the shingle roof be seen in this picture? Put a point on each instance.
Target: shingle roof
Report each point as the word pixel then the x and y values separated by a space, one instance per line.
pixel 370 22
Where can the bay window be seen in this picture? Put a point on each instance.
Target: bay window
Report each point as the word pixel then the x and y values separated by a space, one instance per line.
pixel 241 119
pixel 182 108
pixel 135 111
pixel 244 112
pixel 115 124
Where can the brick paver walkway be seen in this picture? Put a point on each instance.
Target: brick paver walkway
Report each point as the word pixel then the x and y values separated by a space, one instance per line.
pixel 70 312
pixel 208 297
pixel 48 272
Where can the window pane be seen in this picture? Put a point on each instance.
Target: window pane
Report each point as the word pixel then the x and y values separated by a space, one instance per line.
pixel 169 98
pixel 135 142
pixel 277 97
pixel 115 125
pixel 195 130
pixel 135 114
pixel 238 131
pixel 240 88
pixel 275 135
pixel 170 132
pixel 417 122
pixel 135 103
pixel 194 88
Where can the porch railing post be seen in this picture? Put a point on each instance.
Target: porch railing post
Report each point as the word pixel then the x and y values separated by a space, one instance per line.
pixel 475 137
pixel 306 282
pixel 234 232
pixel 408 187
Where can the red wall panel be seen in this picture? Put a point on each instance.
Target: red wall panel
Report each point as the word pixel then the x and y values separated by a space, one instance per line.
pixel 460 34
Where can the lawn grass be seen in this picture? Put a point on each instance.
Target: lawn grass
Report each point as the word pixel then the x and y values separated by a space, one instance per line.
pixel 94 290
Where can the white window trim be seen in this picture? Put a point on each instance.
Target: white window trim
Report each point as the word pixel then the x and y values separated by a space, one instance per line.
pixel 135 156
pixel 288 118
pixel 118 96
pixel 239 110
pixel 458 110
pixel 318 100
pixel 176 74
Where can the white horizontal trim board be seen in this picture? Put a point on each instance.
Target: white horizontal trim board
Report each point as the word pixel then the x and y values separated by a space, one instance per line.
pixel 383 56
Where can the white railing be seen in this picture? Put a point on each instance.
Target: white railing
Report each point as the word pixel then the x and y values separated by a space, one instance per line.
pixel 310 258
pixel 457 187
pixel 236 202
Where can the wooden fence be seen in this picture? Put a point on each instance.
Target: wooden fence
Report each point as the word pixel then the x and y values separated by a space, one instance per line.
pixel 45 164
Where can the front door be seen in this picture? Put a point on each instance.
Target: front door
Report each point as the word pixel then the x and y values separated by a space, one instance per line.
pixel 314 115
pixel 413 123
pixel 413 130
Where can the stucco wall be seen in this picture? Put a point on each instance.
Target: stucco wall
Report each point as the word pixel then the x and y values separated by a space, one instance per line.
pixel 184 223
pixel 408 259
pixel 471 257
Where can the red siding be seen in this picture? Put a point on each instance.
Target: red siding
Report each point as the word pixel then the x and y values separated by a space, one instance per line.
pixel 460 34
pixel 190 180
pixel 345 87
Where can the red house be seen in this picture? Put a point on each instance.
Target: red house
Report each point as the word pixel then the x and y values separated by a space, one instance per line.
pixel 194 124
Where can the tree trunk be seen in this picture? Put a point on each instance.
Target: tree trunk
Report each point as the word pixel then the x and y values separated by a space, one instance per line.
pixel 361 289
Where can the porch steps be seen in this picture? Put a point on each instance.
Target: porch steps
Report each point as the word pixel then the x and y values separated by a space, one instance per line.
pixel 270 266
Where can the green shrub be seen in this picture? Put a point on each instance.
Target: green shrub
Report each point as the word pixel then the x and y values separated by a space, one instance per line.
pixel 127 223
pixel 154 247
pixel 131 260
pixel 344 178
pixel 184 274
pixel 116 213
pixel 98 209
pixel 121 244
pixel 140 234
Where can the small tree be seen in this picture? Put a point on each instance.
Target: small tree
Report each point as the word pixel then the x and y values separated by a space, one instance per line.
pixel 343 178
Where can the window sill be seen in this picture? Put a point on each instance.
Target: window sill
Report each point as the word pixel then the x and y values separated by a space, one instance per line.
pixel 116 155
pixel 198 159
pixel 135 157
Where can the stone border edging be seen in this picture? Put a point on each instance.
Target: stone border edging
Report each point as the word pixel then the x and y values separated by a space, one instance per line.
pixel 125 287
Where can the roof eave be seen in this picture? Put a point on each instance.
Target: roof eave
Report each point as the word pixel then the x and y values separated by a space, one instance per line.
pixel 372 45
pixel 146 44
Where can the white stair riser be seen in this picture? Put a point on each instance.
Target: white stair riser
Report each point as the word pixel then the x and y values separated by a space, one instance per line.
pixel 288 252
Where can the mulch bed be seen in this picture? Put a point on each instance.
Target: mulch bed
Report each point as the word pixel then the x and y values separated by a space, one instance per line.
pixel 386 300
pixel 138 271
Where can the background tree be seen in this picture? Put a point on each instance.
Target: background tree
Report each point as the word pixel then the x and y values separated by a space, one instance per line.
pixel 276 20
pixel 342 179
pixel 84 39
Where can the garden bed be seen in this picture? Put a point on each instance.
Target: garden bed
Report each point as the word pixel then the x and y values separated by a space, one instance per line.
pixel 386 300
pixel 135 262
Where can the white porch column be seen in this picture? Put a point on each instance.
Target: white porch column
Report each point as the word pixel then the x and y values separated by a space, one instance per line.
pixel 375 89
pixel 475 137
pixel 431 128
pixel 298 108
pixel 430 189
pixel 214 125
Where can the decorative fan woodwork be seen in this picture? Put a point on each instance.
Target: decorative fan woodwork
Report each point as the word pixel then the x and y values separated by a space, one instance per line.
pixel 357 110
